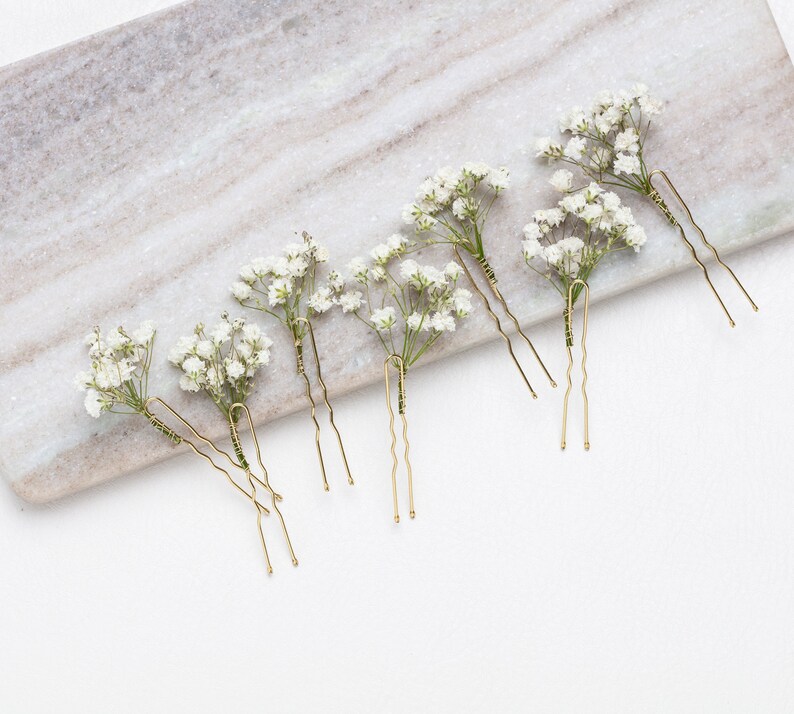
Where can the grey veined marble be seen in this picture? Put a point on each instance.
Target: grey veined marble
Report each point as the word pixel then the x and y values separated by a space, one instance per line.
pixel 141 167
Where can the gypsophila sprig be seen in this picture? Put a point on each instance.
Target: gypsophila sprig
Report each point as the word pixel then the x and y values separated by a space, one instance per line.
pixel 608 138
pixel 118 378
pixel 452 206
pixel 566 242
pixel 607 143
pixel 408 305
pixel 286 286
pixel 222 361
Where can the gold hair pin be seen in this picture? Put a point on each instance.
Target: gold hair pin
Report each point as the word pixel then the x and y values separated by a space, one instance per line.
pixel 409 307
pixel 564 244
pixel 607 145
pixel 286 288
pixel 452 208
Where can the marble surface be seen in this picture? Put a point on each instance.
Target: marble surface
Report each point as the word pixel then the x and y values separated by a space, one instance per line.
pixel 144 165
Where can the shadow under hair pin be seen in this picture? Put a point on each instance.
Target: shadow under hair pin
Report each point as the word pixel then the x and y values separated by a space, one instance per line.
pixel 452 207
pixel 222 362
pixel 118 382
pixel 286 288
pixel 564 244
pixel 607 144
pixel 409 307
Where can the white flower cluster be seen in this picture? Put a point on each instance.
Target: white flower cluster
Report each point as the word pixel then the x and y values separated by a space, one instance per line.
pixel 223 360
pixel 607 139
pixel 455 193
pixel 277 283
pixel 120 363
pixel 574 235
pixel 424 300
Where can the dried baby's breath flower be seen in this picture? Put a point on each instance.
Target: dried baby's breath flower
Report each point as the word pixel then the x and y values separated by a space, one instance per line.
pixel 608 138
pixel 118 378
pixel 222 361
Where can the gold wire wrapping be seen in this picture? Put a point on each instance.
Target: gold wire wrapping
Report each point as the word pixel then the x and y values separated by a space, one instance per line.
pixel 250 496
pixel 397 361
pixel 274 497
pixel 495 318
pixel 660 203
pixel 568 316
pixel 302 371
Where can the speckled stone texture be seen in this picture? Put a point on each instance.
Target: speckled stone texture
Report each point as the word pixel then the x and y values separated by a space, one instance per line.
pixel 142 166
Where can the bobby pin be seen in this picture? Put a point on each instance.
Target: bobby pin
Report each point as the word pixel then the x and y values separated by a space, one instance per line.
pixel 399 365
pixel 569 347
pixel 302 372
pixel 496 320
pixel 659 201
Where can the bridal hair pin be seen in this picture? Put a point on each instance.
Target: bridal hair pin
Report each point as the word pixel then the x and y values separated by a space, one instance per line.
pixel 607 145
pixel 565 243
pixel 286 288
pixel 118 382
pixel 408 306
pixel 222 362
pixel 452 207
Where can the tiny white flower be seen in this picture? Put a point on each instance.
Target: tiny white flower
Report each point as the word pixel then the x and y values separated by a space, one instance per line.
pixel 241 290
pixel 350 301
pixel 234 370
pixel 94 404
pixel 532 231
pixel 635 237
pixel 322 300
pixel 358 270
pixel 144 333
pixel 414 321
pixel 442 322
pixel 452 270
pixel 627 164
pixel 383 318
pixel 562 180
pixel 531 248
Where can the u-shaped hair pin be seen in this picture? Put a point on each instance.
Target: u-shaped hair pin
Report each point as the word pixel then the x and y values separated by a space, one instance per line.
pixel 660 203
pixel 498 323
pixel 301 368
pixel 568 313
pixel 397 361
pixel 274 497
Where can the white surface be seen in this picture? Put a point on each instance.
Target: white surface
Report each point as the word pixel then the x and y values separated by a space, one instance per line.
pixel 654 574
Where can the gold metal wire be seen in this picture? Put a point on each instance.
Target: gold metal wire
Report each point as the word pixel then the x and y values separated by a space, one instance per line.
pixel 250 496
pixel 399 364
pixel 302 373
pixel 659 201
pixel 325 395
pixel 495 318
pixel 265 479
pixel 491 277
pixel 568 315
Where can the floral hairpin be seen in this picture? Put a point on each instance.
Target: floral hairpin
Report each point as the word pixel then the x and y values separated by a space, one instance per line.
pixel 607 144
pixel 118 382
pixel 565 243
pixel 452 207
pixel 409 307
pixel 286 288
pixel 222 362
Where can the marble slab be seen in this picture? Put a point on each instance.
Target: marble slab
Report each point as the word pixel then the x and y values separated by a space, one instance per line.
pixel 142 166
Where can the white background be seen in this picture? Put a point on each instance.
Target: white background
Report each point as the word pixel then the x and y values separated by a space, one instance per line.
pixel 653 574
